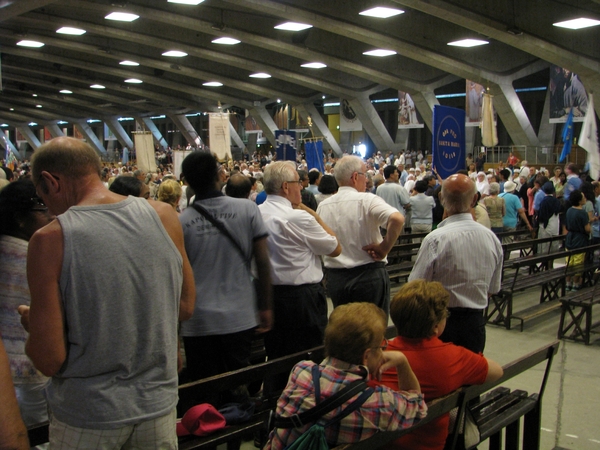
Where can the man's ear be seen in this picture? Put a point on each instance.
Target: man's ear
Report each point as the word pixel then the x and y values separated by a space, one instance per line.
pixel 49 183
pixel 365 356
pixel 474 202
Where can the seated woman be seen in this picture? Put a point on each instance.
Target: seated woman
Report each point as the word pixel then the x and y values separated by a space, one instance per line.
pixel 354 339
pixel 419 311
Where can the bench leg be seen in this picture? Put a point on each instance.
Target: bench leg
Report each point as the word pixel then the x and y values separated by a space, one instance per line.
pixel 496 441
pixel 498 308
pixel 588 324
pixel 532 424
pixel 509 310
pixel 578 333
pixel 513 433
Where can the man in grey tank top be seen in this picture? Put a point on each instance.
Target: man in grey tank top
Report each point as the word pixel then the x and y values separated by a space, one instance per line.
pixel 104 325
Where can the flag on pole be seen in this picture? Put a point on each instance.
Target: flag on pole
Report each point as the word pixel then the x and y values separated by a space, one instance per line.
pixel 567 137
pixel 588 139
pixel 489 134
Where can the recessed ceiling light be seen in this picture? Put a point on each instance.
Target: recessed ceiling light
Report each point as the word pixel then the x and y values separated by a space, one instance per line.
pixel 133 81
pixel 71 30
pixel 380 52
pixel 577 24
pixel 65 91
pixel 32 124
pixel 32 44
pixel 260 75
pixel 293 26
pixel 11 109
pixel 4 125
pixel 468 43
pixel 186 2
pixel 122 17
pixel 278 100
pixel 175 53
pixel 381 12
pixel 129 63
pixel 314 65
pixel 34 95
pixel 225 41
pixel 212 84
pixel 38 106
pixel 97 86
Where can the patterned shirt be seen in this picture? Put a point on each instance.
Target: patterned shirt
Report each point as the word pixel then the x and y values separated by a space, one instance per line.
pixel 384 410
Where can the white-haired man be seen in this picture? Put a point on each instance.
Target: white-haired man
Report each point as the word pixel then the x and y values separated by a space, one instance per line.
pixel 355 216
pixel 297 238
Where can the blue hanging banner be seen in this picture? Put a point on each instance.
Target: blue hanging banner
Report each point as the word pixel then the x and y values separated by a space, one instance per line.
pixel 448 142
pixel 286 145
pixel 314 155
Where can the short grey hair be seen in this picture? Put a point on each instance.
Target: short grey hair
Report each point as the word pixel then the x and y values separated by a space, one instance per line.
pixel 345 167
pixel 494 188
pixel 276 174
pixel 458 202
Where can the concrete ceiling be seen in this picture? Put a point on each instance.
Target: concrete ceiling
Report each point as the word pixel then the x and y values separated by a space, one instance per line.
pixel 522 41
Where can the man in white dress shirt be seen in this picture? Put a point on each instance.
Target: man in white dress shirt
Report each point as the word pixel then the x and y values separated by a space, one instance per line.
pixel 466 258
pixel 297 238
pixel 358 274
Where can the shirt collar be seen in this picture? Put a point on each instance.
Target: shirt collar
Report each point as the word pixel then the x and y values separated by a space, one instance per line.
pixel 455 218
pixel 356 369
pixel 209 194
pixel 278 199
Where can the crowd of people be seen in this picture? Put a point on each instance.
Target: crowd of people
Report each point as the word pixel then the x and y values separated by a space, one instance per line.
pixel 247 247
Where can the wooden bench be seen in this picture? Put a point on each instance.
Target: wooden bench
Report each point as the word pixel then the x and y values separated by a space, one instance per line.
pixel 516 235
pixel 408 238
pixel 230 380
pixel 551 281
pixel 527 248
pixel 576 314
pixel 498 413
pixel 401 261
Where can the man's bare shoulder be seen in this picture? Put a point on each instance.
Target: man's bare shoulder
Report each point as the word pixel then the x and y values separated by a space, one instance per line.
pixel 51 231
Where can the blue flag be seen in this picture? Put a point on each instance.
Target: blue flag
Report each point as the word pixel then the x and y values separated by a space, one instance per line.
pixel 448 141
pixel 314 155
pixel 567 137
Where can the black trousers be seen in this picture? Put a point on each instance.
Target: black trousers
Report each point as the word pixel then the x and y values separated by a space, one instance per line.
pixel 465 327
pixel 367 283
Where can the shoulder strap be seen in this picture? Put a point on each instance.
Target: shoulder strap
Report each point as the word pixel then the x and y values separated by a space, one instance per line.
pixel 326 406
pixel 221 227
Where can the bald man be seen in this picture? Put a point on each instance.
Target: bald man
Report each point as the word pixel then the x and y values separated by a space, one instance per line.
pixel 102 324
pixel 466 258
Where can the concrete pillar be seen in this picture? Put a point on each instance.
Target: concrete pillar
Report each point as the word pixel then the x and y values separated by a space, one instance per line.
pixel 7 144
pixel 186 128
pixel 308 109
pixel 372 123
pixel 55 130
pixel 424 102
pixel 115 126
pixel 235 137
pixel 152 128
pixel 547 130
pixel 402 136
pixel 30 136
pixel 91 137
pixel 513 115
pixel 265 122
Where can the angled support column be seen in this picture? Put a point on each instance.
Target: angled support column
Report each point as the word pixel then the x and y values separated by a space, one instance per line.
pixel 513 115
pixel 30 136
pixel 424 102
pixel 308 109
pixel 235 137
pixel 547 129
pixel 372 123
pixel 152 128
pixel 402 136
pixel 186 128
pixel 55 130
pixel 265 122
pixel 115 126
pixel 90 137
pixel 7 144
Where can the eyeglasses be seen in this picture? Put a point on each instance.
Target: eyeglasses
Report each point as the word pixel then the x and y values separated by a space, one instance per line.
pixel 384 344
pixel 38 204
pixel 295 181
pixel 360 173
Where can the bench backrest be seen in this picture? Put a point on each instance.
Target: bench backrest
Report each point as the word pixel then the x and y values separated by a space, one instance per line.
pixel 460 397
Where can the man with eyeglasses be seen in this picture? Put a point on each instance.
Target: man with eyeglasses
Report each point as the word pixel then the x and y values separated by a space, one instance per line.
pixel 356 216
pixel 297 238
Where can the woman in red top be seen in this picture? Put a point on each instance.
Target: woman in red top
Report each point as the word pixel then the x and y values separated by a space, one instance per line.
pixel 419 311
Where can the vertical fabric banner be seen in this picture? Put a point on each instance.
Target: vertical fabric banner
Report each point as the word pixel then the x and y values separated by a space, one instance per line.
pixel 567 137
pixel 489 134
pixel 474 101
pixel 407 112
pixel 178 157
pixel 567 94
pixel 348 119
pixel 144 148
pixel 313 151
pixel 448 141
pixel 588 139
pixel 286 145
pixel 218 132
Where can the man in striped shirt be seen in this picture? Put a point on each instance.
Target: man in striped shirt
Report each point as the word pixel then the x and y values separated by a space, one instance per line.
pixel 466 258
